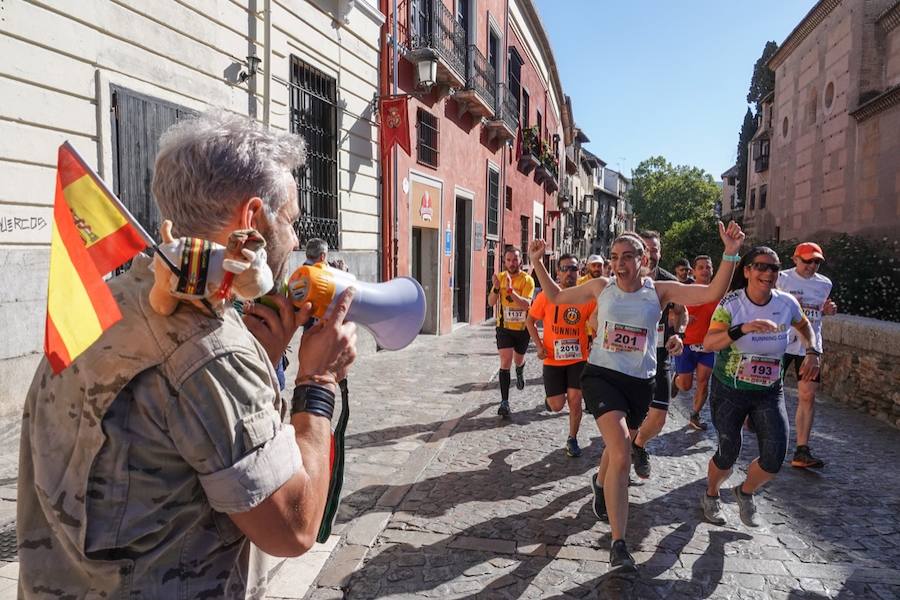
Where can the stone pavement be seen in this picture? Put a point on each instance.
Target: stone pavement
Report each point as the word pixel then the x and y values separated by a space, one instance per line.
pixel 443 499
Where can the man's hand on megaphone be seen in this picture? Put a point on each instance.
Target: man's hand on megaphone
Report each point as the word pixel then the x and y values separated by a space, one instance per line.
pixel 329 348
pixel 274 329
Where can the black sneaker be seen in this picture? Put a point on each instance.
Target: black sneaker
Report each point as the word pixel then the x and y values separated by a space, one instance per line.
pixel 619 558
pixel 804 459
pixel 641 460
pixel 503 411
pixel 696 423
pixel 599 504
pixel 520 377
pixel 572 448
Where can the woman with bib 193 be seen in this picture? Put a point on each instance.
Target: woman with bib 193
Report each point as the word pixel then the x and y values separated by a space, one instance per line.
pixel 617 383
pixel 749 332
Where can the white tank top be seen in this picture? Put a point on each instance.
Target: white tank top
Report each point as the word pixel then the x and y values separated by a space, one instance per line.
pixel 626 334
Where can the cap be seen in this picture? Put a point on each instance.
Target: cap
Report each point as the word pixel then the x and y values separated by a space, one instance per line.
pixel 595 258
pixel 809 250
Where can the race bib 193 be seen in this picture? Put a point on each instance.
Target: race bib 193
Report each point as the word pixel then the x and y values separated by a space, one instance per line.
pixel 759 370
pixel 567 349
pixel 618 337
pixel 513 315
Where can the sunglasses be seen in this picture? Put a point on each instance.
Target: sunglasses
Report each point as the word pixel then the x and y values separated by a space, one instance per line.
pixel 812 261
pixel 763 267
pixel 570 268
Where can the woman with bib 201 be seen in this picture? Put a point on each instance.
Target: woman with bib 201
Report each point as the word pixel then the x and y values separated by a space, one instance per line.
pixel 749 332
pixel 618 381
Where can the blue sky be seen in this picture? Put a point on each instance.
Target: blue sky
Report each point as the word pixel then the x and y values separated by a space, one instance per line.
pixel 663 77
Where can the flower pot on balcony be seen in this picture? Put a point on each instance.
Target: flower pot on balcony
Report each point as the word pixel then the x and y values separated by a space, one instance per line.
pixel 541 174
pixel 551 185
pixel 528 162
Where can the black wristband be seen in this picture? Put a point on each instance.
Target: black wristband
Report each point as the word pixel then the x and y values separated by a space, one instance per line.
pixel 735 333
pixel 495 290
pixel 314 399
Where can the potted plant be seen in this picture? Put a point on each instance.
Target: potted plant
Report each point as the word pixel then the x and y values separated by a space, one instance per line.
pixel 530 154
pixel 551 164
pixel 542 172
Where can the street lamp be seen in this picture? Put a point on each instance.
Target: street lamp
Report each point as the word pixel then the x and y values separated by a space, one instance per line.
pixel 426 73
pixel 253 63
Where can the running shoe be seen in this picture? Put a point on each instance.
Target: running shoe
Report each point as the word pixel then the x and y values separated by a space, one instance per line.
pixel 641 460
pixel 572 448
pixel 520 377
pixel 746 506
pixel 503 411
pixel 619 558
pixel 712 509
pixel 599 504
pixel 696 423
pixel 804 459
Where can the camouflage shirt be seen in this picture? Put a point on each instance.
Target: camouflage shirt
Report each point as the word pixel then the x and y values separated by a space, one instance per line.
pixel 132 457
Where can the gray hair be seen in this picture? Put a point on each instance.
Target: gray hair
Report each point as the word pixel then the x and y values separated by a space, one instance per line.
pixel 315 248
pixel 208 165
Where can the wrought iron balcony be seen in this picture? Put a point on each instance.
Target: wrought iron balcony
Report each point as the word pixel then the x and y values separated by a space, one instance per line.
pixel 479 94
pixel 506 116
pixel 435 34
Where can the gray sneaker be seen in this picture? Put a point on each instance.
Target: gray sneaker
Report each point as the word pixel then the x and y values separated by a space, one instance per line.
pixel 747 506
pixel 712 509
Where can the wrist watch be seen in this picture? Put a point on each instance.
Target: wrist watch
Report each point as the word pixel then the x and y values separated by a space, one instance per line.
pixel 813 352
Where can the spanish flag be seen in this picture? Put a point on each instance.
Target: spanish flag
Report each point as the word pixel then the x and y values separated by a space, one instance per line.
pixel 93 234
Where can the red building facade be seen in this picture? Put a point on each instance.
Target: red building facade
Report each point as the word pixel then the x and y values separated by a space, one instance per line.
pixel 483 92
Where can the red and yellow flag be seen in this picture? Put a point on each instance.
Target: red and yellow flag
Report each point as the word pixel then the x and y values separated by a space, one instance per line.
pixel 92 235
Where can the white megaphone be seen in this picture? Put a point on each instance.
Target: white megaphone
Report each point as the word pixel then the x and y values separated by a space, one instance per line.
pixel 393 311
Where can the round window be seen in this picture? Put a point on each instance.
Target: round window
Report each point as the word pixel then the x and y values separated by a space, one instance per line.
pixel 784 127
pixel 829 94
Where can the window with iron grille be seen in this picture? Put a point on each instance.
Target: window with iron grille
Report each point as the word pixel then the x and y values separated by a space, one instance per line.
pixel 526 107
pixel 763 192
pixel 524 240
pixel 427 138
pixel 493 207
pixel 508 197
pixel 313 115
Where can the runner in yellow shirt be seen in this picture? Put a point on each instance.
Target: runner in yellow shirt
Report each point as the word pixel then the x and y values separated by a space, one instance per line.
pixel 512 291
pixel 595 265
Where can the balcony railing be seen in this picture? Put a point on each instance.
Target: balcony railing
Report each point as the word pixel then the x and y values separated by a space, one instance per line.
pixel 436 29
pixel 507 107
pixel 481 76
pixel 761 163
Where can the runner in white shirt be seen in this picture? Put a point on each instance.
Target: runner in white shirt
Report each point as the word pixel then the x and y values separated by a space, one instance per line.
pixel 619 378
pixel 749 333
pixel 812 291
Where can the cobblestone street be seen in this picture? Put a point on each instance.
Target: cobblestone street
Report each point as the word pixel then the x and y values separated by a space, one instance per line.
pixel 443 499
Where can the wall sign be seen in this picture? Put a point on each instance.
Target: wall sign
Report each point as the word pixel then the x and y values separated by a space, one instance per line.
pixel 448 241
pixel 479 236
pixel 426 205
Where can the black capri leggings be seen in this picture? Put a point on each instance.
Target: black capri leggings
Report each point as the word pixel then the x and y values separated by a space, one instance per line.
pixel 766 409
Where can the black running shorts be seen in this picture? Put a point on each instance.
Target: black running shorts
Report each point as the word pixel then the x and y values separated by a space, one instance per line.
pixel 605 390
pixel 559 378
pixel 797 360
pixel 662 393
pixel 513 338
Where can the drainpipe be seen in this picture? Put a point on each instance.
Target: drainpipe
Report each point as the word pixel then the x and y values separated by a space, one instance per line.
pixel 267 54
pixel 386 213
pixel 395 60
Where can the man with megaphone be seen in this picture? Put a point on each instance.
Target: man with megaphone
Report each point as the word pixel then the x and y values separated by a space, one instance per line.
pixel 149 465
pixel 511 291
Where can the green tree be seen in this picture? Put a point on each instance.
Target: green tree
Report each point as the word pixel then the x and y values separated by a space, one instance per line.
pixel 662 194
pixel 748 129
pixel 690 238
pixel 763 80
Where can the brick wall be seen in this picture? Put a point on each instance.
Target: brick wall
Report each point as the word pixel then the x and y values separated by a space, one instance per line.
pixel 862 365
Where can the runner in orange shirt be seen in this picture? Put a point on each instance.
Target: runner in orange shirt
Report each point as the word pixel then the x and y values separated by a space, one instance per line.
pixel 694 357
pixel 564 348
